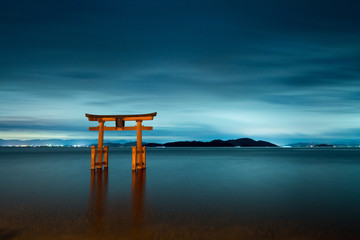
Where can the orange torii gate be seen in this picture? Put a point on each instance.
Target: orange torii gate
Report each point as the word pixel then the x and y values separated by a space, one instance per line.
pixel 138 151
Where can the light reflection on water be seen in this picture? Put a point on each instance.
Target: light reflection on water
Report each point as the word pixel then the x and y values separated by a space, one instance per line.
pixel 192 193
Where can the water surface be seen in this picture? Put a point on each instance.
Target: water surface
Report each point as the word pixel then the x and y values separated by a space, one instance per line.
pixel 185 193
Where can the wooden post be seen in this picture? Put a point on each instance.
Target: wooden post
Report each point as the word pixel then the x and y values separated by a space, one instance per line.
pixel 106 156
pixel 139 143
pixel 144 157
pixel 134 152
pixel 93 157
pixel 100 144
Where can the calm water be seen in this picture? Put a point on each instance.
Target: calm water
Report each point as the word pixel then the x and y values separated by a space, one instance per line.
pixel 185 193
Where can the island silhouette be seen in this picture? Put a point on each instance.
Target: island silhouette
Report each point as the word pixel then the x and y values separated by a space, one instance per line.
pixel 240 142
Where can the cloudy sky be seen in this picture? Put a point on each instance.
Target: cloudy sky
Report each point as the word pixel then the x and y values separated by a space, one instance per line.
pixel 282 71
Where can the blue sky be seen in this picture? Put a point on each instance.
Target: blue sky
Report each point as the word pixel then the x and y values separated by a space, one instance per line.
pixel 281 71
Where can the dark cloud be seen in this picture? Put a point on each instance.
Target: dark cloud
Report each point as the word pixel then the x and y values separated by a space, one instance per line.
pixel 200 57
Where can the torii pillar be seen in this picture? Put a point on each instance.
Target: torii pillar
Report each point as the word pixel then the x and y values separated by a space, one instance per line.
pixel 138 151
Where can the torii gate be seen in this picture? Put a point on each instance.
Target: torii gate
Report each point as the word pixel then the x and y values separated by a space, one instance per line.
pixel 138 151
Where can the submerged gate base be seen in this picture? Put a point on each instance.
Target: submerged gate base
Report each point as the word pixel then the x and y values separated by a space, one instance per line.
pixel 105 151
pixel 138 157
pixel 138 151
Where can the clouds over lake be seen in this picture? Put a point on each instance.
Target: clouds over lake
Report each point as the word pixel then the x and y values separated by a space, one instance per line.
pixel 212 69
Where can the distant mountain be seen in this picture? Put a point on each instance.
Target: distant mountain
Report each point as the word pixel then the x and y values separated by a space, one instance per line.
pixel 324 145
pixel 248 142
pixel 110 144
pixel 153 144
pixel 241 142
pixel 312 145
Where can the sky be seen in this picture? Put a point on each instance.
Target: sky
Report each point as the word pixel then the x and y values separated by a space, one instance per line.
pixel 281 71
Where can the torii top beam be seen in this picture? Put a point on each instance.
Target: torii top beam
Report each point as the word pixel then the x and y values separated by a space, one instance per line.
pixel 120 121
pixel 133 117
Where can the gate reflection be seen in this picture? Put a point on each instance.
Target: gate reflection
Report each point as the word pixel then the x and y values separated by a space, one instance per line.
pixel 97 202
pixel 138 195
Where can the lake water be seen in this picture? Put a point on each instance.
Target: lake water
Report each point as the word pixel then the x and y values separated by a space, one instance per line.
pixel 184 193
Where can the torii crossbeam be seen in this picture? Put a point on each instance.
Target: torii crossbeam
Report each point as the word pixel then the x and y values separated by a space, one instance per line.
pixel 138 151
